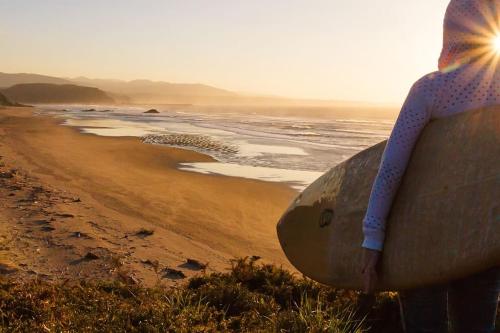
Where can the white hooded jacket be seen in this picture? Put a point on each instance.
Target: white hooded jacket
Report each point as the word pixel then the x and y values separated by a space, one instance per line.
pixel 468 78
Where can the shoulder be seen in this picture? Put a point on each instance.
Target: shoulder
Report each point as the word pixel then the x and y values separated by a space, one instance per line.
pixel 426 83
pixel 424 89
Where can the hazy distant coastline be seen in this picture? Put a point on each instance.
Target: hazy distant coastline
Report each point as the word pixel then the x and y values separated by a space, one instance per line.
pixel 55 90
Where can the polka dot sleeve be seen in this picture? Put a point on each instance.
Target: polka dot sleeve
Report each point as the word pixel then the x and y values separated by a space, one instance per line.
pixel 412 119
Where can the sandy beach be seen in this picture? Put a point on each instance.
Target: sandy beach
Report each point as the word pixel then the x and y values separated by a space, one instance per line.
pixel 77 205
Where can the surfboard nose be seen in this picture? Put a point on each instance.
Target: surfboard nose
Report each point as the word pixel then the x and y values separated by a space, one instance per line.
pixel 283 231
pixel 302 233
pixel 300 221
pixel 293 234
pixel 279 230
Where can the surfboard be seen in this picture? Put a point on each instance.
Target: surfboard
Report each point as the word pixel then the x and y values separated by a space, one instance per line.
pixel 444 223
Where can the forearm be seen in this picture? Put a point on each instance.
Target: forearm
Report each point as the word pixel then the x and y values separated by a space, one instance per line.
pixel 411 121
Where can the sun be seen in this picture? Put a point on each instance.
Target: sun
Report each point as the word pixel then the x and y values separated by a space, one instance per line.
pixel 496 43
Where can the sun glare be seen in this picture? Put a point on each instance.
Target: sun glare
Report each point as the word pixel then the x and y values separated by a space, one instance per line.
pixel 496 43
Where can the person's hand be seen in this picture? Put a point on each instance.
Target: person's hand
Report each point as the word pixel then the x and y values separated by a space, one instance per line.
pixel 369 271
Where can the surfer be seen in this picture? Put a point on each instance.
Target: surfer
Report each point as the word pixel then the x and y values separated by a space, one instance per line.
pixel 468 78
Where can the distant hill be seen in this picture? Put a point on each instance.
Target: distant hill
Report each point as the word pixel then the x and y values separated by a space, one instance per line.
pixel 40 93
pixel 9 80
pixel 158 92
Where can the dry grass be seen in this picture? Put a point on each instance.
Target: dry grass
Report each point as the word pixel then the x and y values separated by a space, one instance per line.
pixel 250 298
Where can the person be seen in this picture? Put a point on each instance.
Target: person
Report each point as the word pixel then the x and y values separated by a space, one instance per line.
pixel 468 78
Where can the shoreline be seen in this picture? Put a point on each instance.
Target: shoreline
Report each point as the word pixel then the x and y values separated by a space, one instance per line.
pixel 123 186
pixel 235 153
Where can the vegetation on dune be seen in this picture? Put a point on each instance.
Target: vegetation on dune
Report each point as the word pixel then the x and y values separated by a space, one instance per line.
pixel 250 298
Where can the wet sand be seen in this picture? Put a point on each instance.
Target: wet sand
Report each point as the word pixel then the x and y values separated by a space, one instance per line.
pixel 67 195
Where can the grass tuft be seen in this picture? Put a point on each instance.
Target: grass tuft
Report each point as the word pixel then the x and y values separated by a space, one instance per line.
pixel 251 297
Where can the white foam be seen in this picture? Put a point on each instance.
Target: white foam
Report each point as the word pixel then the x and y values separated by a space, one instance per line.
pixel 298 179
pixel 112 127
pixel 253 150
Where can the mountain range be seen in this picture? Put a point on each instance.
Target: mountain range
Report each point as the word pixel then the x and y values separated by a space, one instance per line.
pixel 64 90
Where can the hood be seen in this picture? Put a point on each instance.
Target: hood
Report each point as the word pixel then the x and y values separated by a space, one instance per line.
pixel 469 28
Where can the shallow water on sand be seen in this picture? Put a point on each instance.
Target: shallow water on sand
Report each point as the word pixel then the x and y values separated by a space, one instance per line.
pixel 290 149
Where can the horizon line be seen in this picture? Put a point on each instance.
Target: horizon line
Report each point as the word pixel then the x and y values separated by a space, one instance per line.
pixel 239 92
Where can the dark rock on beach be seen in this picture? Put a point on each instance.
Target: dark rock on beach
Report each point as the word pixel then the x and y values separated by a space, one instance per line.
pixel 173 274
pixel 145 233
pixel 194 265
pixel 91 256
pixel 152 111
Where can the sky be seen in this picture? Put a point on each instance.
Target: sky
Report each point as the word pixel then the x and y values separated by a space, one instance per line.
pixel 356 50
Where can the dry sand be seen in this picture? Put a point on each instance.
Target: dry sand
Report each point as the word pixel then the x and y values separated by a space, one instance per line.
pixel 64 194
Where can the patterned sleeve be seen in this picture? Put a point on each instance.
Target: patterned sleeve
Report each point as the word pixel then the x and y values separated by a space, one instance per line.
pixel 412 119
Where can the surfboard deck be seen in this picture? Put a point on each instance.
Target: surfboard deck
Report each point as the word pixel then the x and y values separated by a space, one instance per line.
pixel 444 223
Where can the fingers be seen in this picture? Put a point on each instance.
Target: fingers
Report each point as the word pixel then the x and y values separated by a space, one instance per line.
pixel 369 270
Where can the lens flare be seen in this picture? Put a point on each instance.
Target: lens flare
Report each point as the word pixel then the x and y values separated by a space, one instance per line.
pixel 496 43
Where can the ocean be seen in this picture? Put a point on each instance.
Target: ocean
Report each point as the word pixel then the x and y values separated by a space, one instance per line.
pixel 292 149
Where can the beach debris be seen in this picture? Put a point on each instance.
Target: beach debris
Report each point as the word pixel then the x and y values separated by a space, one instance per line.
pixel 152 111
pixel 173 274
pixel 128 278
pixel 78 234
pixel 190 140
pixel 91 256
pixel 149 262
pixel 14 187
pixel 41 222
pixel 7 174
pixel 153 263
pixel 65 215
pixel 194 265
pixel 89 110
pixel 8 267
pixel 48 228
pixel 144 232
